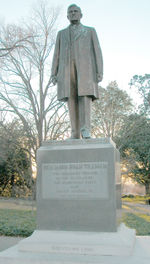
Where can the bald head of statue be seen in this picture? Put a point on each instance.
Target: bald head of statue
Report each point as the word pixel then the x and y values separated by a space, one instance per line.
pixel 74 14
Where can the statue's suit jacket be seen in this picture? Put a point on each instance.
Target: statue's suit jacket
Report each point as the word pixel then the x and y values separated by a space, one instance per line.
pixel 88 59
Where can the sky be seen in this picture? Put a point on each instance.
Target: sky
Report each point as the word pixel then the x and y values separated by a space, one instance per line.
pixel 122 27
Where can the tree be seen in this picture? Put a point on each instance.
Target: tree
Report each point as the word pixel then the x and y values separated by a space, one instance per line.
pixel 25 77
pixel 5 48
pixel 15 170
pixel 134 144
pixel 110 110
pixel 142 83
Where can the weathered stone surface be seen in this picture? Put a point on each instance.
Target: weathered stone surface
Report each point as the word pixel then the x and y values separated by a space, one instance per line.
pixel 140 253
pixel 120 243
pixel 78 185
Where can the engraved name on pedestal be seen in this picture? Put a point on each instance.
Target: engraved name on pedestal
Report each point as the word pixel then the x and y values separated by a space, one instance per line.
pixel 85 180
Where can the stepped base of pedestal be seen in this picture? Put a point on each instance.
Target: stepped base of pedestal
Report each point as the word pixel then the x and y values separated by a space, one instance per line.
pixel 118 243
pixel 54 247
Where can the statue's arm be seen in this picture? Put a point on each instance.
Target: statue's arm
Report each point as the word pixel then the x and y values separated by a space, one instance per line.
pixel 55 62
pixel 98 56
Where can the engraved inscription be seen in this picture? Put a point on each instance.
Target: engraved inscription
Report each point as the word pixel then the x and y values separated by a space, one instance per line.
pixel 86 180
pixel 86 250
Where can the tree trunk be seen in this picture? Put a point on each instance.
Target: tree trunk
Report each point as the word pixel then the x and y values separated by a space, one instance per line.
pixel 12 185
pixel 147 188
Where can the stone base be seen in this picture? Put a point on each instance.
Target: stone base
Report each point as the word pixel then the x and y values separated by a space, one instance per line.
pixel 55 247
pixel 118 243
pixel 78 186
pixel 141 255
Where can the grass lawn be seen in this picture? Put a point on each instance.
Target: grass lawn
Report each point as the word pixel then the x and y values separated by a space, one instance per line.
pixel 139 222
pixel 17 222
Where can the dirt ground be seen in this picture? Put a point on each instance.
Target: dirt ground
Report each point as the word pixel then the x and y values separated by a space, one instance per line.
pixel 22 204
pixel 18 204
pixel 136 208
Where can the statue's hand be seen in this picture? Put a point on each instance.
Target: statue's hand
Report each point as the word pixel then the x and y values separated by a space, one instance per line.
pixel 54 79
pixel 99 77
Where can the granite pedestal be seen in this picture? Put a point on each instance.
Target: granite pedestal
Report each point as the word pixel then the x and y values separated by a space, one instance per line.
pixel 78 186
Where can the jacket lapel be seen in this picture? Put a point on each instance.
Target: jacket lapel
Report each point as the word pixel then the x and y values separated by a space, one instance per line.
pixel 80 31
pixel 67 36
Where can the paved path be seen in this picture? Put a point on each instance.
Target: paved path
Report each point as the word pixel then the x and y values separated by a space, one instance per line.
pixel 6 242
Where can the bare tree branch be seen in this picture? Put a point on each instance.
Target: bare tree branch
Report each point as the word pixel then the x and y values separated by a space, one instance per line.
pixel 25 75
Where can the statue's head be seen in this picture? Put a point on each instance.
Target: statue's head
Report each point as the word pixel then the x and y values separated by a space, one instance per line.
pixel 74 14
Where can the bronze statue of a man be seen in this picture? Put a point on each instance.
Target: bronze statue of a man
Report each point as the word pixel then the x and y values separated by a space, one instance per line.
pixel 77 69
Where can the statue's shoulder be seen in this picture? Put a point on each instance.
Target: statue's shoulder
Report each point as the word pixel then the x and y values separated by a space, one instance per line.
pixel 88 29
pixel 63 30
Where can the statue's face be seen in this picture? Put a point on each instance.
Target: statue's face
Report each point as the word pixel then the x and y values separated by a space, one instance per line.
pixel 74 15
